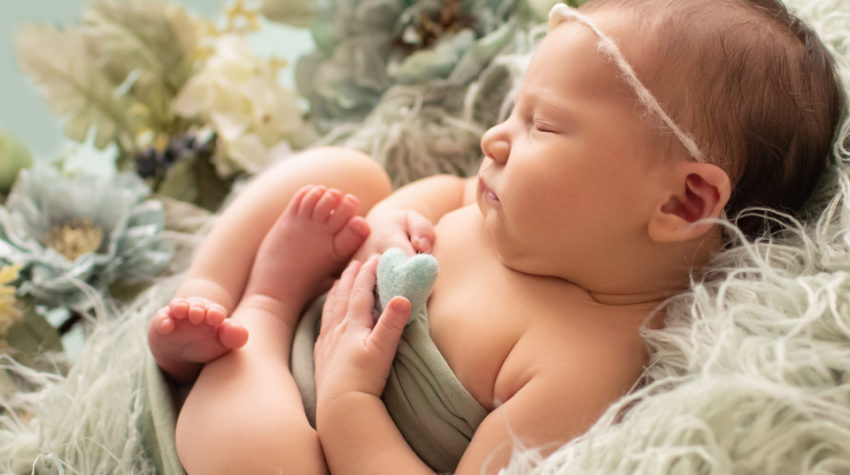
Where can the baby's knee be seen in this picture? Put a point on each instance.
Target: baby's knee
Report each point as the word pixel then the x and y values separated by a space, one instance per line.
pixel 347 169
pixel 345 160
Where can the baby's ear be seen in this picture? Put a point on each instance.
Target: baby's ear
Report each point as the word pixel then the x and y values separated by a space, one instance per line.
pixel 696 196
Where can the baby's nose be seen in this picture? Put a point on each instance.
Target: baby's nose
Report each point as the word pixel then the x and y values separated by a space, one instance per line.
pixel 495 146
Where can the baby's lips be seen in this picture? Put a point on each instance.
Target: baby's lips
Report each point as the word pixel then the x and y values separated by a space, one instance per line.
pixel 485 190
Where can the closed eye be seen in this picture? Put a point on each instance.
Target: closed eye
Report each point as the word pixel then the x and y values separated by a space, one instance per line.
pixel 544 127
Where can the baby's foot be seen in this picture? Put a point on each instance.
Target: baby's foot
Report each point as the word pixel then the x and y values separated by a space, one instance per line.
pixel 308 245
pixel 190 332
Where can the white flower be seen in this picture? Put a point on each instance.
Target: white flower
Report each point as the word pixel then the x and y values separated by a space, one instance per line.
pixel 239 95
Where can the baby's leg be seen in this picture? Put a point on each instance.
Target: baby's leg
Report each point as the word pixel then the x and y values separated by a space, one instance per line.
pixel 244 413
pixel 220 269
pixel 221 266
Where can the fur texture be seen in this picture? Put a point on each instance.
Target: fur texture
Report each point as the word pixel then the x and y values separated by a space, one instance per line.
pixel 751 374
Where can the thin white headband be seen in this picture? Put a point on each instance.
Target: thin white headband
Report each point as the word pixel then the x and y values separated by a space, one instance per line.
pixel 560 13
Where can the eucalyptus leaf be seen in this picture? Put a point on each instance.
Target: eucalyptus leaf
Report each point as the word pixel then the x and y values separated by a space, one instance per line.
pixel 180 182
pixel 212 189
pixel 32 337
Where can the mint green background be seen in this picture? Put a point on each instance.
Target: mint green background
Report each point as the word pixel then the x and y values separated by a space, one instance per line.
pixel 24 114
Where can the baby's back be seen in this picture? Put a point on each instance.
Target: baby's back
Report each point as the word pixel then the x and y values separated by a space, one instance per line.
pixel 500 329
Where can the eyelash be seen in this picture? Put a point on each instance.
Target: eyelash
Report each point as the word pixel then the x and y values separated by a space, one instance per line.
pixel 542 127
pixel 535 125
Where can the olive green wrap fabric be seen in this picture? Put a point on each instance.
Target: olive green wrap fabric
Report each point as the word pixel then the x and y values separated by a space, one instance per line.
pixel 433 411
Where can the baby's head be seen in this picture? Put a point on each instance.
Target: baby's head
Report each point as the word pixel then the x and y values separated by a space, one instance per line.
pixel 640 122
pixel 748 82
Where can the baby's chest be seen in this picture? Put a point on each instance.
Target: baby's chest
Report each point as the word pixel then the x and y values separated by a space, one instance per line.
pixel 478 310
pixel 473 330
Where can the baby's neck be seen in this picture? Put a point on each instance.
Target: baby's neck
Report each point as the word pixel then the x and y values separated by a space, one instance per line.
pixel 637 300
pixel 651 277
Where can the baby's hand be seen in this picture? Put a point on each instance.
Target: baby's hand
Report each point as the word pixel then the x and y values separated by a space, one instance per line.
pixel 404 229
pixel 356 347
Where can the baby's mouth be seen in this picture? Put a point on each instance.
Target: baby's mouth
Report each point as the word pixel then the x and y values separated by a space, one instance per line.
pixel 486 191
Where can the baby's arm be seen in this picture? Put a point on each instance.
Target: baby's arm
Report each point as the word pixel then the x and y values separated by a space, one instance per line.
pixel 364 439
pixel 359 436
pixel 405 218
pixel 432 197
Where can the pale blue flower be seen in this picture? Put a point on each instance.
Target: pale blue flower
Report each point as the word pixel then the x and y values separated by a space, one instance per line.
pixel 76 236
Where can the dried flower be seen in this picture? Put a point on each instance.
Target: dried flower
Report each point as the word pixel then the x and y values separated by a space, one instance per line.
pixel 116 75
pixel 9 311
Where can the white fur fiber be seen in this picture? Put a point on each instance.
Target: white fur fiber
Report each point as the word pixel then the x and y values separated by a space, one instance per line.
pixel 751 374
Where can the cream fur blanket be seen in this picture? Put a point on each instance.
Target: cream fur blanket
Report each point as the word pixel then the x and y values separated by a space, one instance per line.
pixel 751 374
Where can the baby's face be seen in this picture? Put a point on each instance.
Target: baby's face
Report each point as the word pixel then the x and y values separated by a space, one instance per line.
pixel 565 177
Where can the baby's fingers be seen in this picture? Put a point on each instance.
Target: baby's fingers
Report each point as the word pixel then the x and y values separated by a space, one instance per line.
pixel 336 303
pixel 421 232
pixel 387 332
pixel 361 304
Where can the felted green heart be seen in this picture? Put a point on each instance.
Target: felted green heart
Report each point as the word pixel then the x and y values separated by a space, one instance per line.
pixel 409 276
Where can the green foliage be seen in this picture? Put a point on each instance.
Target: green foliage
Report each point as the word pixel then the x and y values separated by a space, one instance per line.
pixel 30 337
pixel 195 180
pixel 14 156
pixel 74 87
pixel 291 12
pixel 117 73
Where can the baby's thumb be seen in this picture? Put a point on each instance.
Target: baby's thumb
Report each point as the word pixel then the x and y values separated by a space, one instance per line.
pixel 421 232
pixel 389 327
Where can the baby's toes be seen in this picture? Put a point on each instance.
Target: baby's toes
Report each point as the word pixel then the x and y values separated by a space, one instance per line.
pixel 215 314
pixel 308 204
pixel 344 211
pixel 327 205
pixel 232 334
pixel 197 312
pixel 162 321
pixel 179 308
pixel 349 239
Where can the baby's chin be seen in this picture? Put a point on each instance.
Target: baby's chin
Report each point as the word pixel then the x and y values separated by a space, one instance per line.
pixel 507 250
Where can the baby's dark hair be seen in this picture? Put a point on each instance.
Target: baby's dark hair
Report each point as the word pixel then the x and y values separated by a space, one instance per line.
pixel 754 86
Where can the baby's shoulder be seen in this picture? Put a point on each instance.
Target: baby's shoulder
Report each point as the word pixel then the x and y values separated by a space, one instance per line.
pixel 593 350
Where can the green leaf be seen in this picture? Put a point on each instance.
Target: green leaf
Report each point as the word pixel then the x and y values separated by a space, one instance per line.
pixel 291 12
pixel 72 85
pixel 14 156
pixel 212 189
pixel 30 338
pixel 152 40
pixel 180 181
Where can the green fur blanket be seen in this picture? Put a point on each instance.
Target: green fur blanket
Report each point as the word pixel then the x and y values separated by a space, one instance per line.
pixel 750 375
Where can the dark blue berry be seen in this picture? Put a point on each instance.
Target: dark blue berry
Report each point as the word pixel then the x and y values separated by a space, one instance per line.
pixel 147 162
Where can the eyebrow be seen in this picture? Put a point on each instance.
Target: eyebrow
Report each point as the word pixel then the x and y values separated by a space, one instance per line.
pixel 552 100
pixel 562 12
